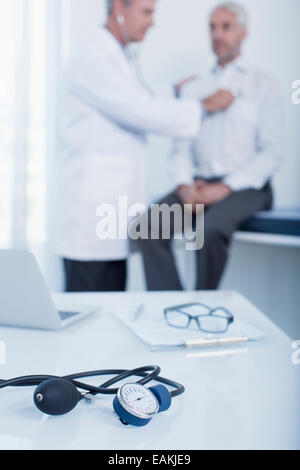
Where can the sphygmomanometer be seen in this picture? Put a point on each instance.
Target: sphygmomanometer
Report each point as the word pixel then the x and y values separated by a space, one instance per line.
pixel 134 403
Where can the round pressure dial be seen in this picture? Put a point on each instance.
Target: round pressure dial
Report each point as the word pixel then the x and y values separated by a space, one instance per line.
pixel 138 401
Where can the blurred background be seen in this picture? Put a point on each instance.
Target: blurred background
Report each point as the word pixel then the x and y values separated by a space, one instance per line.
pixel 37 38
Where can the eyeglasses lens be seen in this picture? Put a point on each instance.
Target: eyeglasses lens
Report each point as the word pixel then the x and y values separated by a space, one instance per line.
pixel 177 319
pixel 213 324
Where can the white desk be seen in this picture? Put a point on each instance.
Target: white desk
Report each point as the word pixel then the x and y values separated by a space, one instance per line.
pixel 247 400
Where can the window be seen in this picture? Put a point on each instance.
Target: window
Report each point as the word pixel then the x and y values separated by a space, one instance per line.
pixel 22 123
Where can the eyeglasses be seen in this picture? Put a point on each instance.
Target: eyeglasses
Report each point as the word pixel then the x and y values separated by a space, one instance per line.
pixel 208 320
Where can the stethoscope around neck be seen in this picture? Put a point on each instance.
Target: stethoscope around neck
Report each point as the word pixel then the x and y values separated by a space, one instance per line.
pixel 134 403
pixel 132 55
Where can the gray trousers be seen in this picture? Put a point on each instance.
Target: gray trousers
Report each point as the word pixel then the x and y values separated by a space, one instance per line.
pixel 221 221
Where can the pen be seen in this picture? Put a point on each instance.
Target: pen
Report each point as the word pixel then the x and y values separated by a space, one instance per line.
pixel 214 342
pixel 138 312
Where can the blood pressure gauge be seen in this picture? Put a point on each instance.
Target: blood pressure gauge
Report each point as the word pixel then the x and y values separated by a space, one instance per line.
pixel 134 403
pixel 137 405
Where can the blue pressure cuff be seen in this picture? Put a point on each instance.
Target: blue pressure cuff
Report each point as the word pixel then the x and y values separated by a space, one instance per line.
pixel 163 396
pixel 203 108
pixel 176 92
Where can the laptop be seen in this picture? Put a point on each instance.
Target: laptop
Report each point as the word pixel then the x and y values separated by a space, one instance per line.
pixel 25 300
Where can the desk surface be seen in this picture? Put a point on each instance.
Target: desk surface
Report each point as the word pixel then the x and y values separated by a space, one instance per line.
pixel 246 399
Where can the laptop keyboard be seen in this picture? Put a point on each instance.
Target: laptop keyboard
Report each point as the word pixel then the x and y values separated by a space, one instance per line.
pixel 66 315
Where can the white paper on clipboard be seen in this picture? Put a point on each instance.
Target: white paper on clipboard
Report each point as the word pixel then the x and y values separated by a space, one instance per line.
pixel 150 326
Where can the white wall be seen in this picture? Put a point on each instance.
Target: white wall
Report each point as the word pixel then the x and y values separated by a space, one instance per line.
pixel 179 46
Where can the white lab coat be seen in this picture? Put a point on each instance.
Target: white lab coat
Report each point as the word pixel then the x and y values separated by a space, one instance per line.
pixel 108 114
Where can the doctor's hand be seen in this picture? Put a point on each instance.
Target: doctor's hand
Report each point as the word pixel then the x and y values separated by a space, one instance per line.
pixel 220 101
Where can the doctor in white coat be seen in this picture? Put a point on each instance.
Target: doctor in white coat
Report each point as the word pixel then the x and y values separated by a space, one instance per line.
pixel 108 115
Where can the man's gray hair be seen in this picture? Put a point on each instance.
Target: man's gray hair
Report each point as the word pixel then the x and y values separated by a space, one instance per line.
pixel 110 3
pixel 237 9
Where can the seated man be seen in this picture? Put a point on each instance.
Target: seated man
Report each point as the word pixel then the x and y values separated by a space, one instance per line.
pixel 229 167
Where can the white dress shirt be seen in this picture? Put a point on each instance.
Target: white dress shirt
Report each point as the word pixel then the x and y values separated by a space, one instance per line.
pixel 243 145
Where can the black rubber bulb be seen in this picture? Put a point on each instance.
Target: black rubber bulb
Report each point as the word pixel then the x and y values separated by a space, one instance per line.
pixel 56 396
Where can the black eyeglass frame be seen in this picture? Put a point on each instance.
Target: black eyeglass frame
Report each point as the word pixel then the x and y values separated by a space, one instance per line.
pixel 211 312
